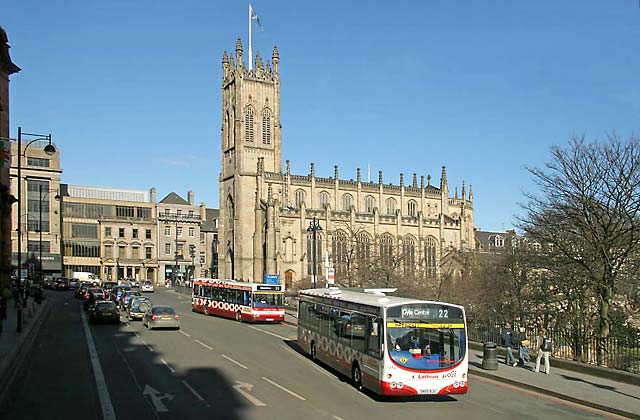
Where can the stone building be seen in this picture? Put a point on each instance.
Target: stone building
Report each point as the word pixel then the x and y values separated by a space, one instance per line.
pixel 265 210
pixel 179 239
pixel 110 232
pixel 7 68
pixel 40 208
pixel 209 242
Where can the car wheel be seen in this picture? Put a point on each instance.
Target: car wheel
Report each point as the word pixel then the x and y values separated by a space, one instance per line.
pixel 238 316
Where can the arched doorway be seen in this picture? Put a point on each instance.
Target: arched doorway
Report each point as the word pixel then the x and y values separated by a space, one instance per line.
pixel 289 280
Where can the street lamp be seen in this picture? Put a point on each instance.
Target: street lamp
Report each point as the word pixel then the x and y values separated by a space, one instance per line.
pixel 49 149
pixel 314 226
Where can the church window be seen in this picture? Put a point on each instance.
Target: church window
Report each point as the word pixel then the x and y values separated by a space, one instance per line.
pixel 363 247
pixel 339 252
pixel 386 249
pixel 324 199
pixel 409 255
pixel 391 206
pixel 266 127
pixel 411 208
pixel 499 241
pixel 369 204
pixel 248 124
pixel 347 199
pixel 299 198
pixel 430 256
pixel 319 257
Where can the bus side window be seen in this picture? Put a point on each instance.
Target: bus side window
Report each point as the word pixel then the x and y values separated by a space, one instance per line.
pixel 245 298
pixel 373 337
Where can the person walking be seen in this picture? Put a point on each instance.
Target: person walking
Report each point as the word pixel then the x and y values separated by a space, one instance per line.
pixel 523 346
pixel 508 342
pixel 544 350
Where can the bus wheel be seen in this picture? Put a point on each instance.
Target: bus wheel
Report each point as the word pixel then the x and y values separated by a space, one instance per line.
pixel 238 316
pixel 205 311
pixel 312 351
pixel 356 376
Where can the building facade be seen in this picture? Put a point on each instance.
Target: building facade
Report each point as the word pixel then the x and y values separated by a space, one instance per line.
pixel 265 211
pixel 7 199
pixel 209 241
pixel 179 239
pixel 110 232
pixel 40 209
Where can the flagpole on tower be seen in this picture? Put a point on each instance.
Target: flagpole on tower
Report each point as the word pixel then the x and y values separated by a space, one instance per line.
pixel 250 52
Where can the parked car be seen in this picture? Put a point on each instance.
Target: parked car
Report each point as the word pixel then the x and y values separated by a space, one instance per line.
pixel 147 286
pixel 161 317
pixel 138 307
pixel 104 311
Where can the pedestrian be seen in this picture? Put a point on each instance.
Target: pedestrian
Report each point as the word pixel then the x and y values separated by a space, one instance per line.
pixel 544 350
pixel 523 346
pixel 508 340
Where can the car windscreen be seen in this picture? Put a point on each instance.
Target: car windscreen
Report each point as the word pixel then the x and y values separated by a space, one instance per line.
pixel 163 310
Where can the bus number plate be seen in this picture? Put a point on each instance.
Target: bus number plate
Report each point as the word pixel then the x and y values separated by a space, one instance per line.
pixel 429 391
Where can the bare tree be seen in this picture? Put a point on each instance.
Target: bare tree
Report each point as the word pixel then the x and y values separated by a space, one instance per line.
pixel 588 208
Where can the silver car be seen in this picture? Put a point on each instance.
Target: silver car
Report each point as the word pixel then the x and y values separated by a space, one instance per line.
pixel 161 317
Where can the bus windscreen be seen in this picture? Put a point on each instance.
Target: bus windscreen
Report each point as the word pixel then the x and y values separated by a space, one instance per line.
pixel 268 300
pixel 425 336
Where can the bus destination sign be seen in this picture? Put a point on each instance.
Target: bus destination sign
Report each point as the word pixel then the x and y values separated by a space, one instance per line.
pixel 425 312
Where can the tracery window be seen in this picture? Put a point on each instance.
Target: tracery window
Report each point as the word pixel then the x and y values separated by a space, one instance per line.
pixel 248 124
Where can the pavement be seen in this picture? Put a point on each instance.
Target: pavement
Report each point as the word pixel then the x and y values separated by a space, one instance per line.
pixel 14 345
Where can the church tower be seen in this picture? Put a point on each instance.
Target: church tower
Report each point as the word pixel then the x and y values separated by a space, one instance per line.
pixel 250 134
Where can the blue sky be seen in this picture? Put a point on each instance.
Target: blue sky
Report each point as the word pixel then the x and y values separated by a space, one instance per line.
pixel 130 90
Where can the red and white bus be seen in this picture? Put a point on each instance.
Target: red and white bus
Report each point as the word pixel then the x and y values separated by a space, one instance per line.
pixel 252 302
pixel 390 345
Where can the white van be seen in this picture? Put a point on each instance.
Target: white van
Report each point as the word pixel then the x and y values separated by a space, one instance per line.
pixel 81 276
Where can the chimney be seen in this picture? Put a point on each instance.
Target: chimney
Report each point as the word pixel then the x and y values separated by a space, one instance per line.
pixel 203 212
pixel 190 195
pixel 152 195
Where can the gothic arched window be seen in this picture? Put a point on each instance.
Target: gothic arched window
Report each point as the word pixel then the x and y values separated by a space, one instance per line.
pixel 319 255
pixel 266 126
pixel 409 255
pixel 411 208
pixel 386 249
pixel 363 247
pixel 300 195
pixel 324 199
pixel 369 204
pixel 347 199
pixel 430 257
pixel 391 206
pixel 248 124
pixel 339 251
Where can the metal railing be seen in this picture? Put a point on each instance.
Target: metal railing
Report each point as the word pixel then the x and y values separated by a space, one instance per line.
pixel 579 345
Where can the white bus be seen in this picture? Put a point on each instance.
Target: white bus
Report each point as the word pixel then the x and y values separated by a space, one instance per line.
pixel 253 302
pixel 390 345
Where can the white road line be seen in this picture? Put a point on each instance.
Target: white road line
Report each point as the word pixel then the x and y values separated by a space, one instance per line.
pixel 193 391
pixel 233 361
pixel 284 389
pixel 167 365
pixel 202 344
pixel 269 332
pixel 337 418
pixel 183 333
pixel 108 412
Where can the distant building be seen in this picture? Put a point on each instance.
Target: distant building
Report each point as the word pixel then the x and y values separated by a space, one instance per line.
pixel 494 242
pixel 7 198
pixel 110 232
pixel 209 241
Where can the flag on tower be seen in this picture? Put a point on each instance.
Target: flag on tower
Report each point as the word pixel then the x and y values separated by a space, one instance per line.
pixel 255 17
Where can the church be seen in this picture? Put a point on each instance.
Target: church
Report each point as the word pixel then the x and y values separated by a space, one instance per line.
pixel 272 220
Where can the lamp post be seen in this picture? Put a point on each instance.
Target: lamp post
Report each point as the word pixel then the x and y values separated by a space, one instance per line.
pixel 49 149
pixel 314 226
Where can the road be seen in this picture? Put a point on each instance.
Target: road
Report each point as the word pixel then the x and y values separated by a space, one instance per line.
pixel 219 369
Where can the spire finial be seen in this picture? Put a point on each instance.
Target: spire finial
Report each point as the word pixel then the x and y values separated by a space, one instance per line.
pixel 380 177
pixel 288 167
pixel 313 169
pixel 335 171
pixel 428 180
pixel 443 178
pixel 402 180
pixel 470 192
pixel 415 181
pixel 464 192
pixel 358 175
pixel 421 181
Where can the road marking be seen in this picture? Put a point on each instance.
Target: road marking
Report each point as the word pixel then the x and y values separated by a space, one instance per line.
pixel 156 398
pixel 108 412
pixel 194 392
pixel 244 388
pixel 268 332
pixel 284 389
pixel 202 344
pixel 233 361
pixel 183 333
pixel 167 365
pixel 337 418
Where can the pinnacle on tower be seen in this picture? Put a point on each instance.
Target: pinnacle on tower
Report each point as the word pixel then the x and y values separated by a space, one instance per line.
pixel 415 181
pixel 380 177
pixel 275 59
pixel 335 171
pixel 259 63
pixel 456 195
pixel 428 180
pixel 288 167
pixel 470 192
pixel 421 181
pixel 464 192
pixel 443 178
pixel 402 180
pixel 239 52
pixel 225 57
pixel 358 175
pixel 313 169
